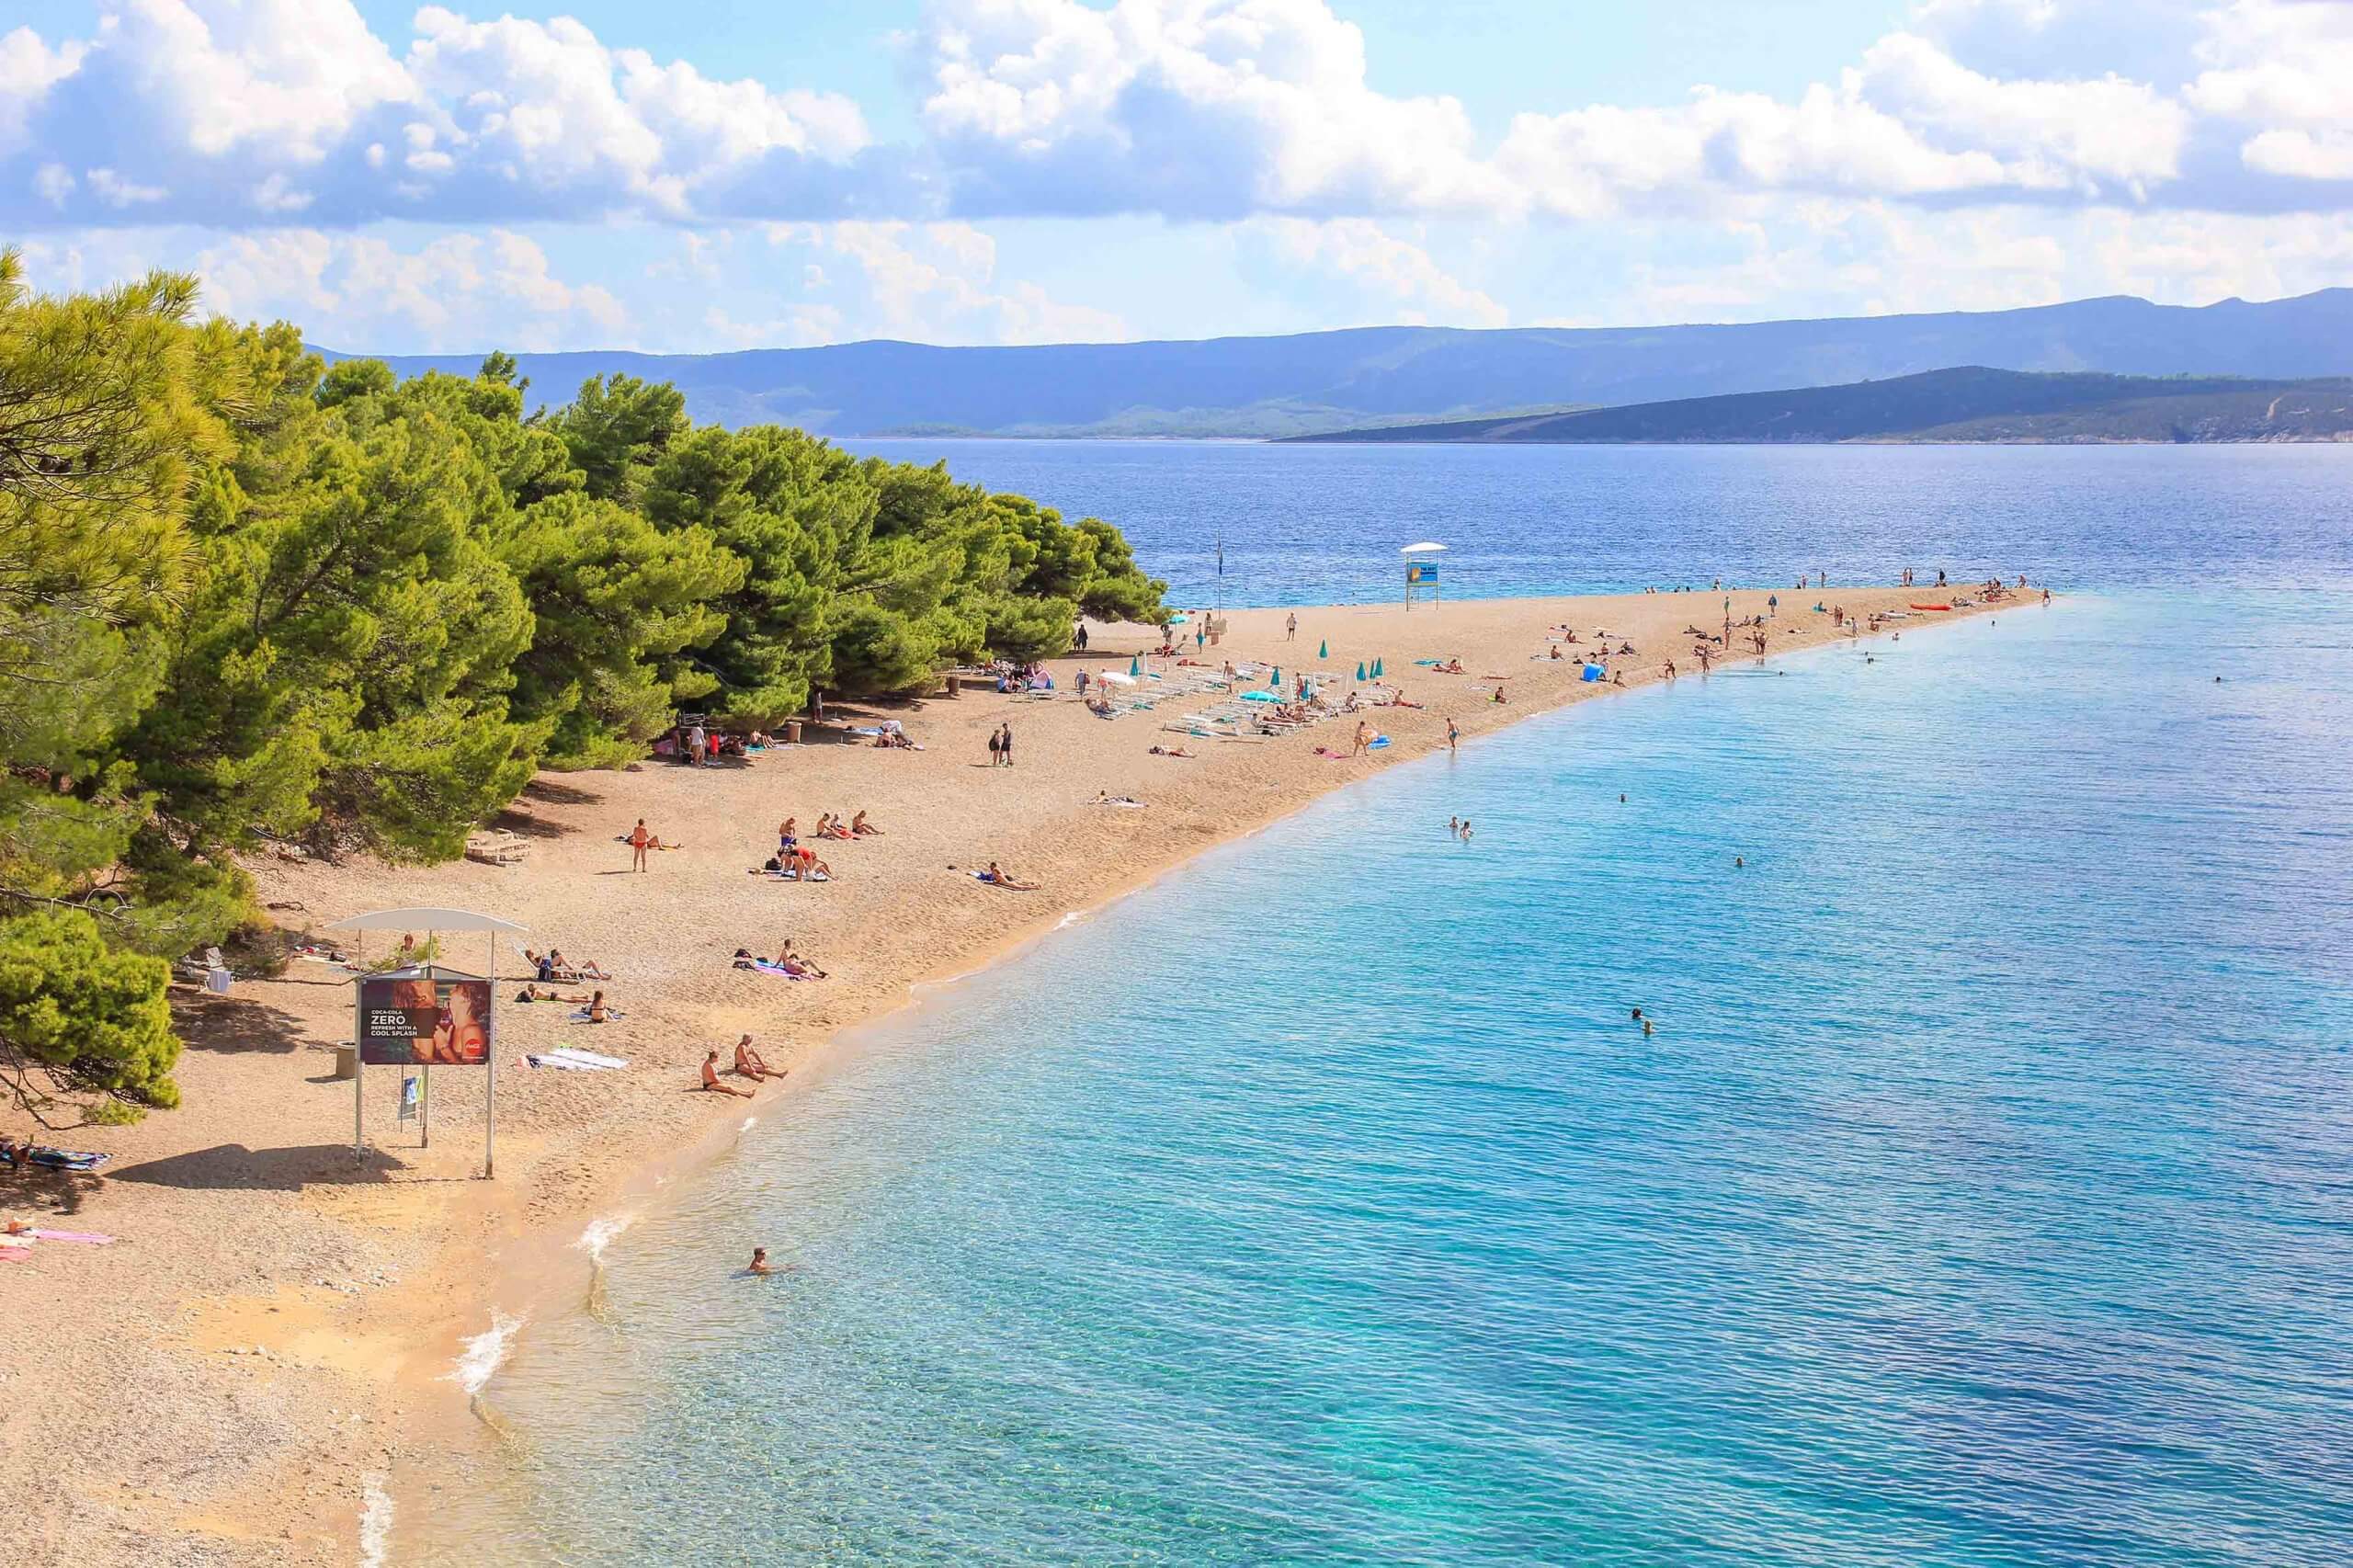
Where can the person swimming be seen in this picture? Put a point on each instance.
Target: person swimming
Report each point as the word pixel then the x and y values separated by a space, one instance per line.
pixel 760 1264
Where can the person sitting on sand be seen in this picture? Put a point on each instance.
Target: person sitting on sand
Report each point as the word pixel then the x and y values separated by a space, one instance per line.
pixel 710 1078
pixel 597 1012
pixel 798 967
pixel 836 828
pixel 813 867
pixel 1556 652
pixel 748 1064
pixel 996 877
pixel 1499 695
pixel 861 828
pixel 1454 666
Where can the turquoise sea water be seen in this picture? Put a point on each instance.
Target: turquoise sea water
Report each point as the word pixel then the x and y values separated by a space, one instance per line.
pixel 1986 1195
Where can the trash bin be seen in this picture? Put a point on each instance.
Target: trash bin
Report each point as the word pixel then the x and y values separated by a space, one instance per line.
pixel 954 686
pixel 346 1062
pixel 792 731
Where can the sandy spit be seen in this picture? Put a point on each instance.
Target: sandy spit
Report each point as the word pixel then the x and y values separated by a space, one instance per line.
pixel 231 1383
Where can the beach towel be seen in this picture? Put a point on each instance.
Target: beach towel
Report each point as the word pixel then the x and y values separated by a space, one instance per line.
pixel 764 967
pixel 16 1254
pixel 79 1238
pixel 559 1062
pixel 67 1159
pixel 588 1058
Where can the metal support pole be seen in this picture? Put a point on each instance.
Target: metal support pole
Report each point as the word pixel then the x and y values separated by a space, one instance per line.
pixel 425 1108
pixel 490 1061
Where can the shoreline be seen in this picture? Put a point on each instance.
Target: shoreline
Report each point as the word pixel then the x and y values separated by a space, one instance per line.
pixel 572 1158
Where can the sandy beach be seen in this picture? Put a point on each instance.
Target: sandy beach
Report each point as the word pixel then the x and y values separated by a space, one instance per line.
pixel 255 1356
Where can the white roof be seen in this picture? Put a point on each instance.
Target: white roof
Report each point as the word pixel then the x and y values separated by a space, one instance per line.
pixel 427 920
pixel 1417 549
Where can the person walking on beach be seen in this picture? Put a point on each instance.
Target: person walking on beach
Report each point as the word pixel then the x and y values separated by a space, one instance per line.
pixel 1004 743
pixel 1363 740
pixel 1453 735
pixel 1773 607
pixel 996 745
pixel 638 839
pixel 1080 637
pixel 1290 629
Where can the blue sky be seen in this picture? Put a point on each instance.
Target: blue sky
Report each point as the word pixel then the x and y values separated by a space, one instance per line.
pixel 699 177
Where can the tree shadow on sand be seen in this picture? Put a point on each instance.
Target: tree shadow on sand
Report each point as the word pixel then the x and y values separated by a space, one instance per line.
pixel 233 1025
pixel 232 1167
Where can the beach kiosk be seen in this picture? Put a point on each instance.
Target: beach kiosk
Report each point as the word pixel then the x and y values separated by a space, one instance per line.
pixel 427 1014
pixel 1421 570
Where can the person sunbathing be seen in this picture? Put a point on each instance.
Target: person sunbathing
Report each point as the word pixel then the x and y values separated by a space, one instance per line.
pixel 861 828
pixel 748 1064
pixel 533 994
pixel 797 966
pixel 1454 666
pixel 996 877
pixel 597 1012
pixel 710 1078
pixel 1556 651
pixel 810 867
pixel 834 827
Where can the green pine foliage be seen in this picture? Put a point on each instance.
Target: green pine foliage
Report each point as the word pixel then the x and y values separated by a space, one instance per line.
pixel 247 599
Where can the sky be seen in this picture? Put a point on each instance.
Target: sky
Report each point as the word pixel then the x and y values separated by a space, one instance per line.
pixel 699 177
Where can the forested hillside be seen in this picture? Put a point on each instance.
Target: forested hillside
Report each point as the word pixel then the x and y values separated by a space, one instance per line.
pixel 1317 381
pixel 246 599
pixel 1968 403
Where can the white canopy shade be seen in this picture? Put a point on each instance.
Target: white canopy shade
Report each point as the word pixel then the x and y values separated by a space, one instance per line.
pixel 1116 678
pixel 427 920
pixel 1426 544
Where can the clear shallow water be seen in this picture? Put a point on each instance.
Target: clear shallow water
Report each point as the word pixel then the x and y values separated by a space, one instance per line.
pixel 1321 525
pixel 1985 1197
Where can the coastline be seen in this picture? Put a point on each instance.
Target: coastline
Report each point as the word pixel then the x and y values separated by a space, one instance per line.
pixel 371 1350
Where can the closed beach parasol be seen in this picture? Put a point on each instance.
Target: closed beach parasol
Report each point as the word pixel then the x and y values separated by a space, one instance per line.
pixel 1135 666
pixel 1359 669
pixel 1376 669
pixel 1322 650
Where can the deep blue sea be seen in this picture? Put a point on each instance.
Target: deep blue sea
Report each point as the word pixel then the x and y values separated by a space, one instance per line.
pixel 1984 1196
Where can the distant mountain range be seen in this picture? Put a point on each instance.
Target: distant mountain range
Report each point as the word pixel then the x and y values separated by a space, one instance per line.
pixel 1969 404
pixel 1380 376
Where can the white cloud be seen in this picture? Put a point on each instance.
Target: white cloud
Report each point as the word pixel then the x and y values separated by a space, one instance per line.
pixel 1406 281
pixel 1186 107
pixel 28 68
pixel 936 283
pixel 293 112
pixel 234 107
pixel 459 292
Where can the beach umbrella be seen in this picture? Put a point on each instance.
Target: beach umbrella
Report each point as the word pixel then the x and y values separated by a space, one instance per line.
pixel 1135 666
pixel 1260 696
pixel 1323 649
pixel 1359 669
pixel 1376 669
pixel 1116 678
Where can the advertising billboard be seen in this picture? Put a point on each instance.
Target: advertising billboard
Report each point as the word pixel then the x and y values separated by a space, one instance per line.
pixel 421 1017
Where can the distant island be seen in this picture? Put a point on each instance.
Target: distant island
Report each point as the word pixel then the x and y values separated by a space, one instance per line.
pixel 1347 381
pixel 1967 403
